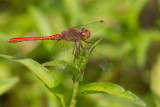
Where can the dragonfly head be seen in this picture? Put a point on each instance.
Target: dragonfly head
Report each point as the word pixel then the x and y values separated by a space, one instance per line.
pixel 85 33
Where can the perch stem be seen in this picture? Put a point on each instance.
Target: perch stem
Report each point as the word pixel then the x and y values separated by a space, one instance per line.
pixel 74 95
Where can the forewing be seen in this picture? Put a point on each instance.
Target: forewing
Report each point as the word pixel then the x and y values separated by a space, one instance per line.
pixel 94 27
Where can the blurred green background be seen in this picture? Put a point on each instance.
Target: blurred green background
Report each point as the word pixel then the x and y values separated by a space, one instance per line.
pixel 131 40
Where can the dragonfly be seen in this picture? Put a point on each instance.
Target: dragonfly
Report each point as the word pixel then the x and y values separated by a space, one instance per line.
pixel 75 34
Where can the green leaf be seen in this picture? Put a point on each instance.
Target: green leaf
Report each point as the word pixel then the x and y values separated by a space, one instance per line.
pixel 142 44
pixel 109 88
pixel 61 63
pixel 46 76
pixel 59 92
pixel 6 84
pixel 43 73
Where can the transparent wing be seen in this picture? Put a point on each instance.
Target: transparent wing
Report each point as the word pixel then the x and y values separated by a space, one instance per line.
pixel 62 50
pixel 101 61
pixel 94 27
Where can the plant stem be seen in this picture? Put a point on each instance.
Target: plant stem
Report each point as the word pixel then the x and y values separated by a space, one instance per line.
pixel 73 100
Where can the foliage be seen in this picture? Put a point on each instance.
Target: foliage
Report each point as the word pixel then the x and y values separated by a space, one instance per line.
pixel 54 85
pixel 130 40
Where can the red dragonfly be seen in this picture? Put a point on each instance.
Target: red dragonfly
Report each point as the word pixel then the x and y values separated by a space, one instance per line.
pixel 75 34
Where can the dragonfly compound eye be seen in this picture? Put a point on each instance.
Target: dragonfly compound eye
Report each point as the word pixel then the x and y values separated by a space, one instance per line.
pixel 85 33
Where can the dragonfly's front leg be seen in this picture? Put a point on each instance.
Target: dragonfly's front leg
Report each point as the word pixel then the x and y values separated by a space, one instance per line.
pixel 88 42
pixel 84 48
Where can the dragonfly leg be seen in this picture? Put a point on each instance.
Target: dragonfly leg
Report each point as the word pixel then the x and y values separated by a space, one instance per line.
pixel 84 48
pixel 74 48
pixel 79 49
pixel 75 52
pixel 80 43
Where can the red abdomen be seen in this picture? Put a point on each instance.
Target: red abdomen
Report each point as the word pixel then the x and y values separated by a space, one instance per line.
pixel 21 39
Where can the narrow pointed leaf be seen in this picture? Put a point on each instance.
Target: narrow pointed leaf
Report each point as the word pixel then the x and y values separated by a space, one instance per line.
pixel 43 73
pixel 46 76
pixel 110 88
pixel 59 92
pixel 61 63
